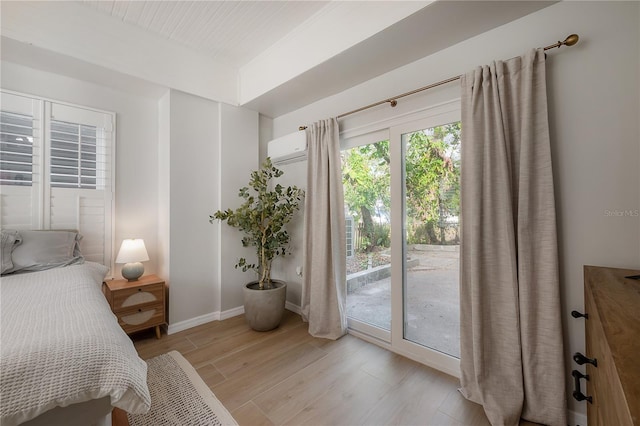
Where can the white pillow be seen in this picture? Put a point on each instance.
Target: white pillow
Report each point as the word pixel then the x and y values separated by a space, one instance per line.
pixel 42 250
pixel 10 239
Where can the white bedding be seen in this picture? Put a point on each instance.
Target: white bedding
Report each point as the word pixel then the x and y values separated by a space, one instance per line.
pixel 60 345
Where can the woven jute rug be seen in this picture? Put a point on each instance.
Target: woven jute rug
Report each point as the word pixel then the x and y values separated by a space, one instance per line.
pixel 179 396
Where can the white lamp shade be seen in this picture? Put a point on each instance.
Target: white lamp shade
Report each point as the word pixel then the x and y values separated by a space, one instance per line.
pixel 132 251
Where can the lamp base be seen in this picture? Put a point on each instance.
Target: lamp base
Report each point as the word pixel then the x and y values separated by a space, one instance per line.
pixel 132 271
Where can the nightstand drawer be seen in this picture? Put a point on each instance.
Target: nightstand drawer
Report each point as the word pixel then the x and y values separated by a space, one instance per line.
pixel 137 304
pixel 129 298
pixel 141 318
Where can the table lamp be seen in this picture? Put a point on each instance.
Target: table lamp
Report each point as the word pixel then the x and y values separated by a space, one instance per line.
pixel 132 253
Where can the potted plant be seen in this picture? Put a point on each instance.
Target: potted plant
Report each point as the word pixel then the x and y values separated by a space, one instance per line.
pixel 262 218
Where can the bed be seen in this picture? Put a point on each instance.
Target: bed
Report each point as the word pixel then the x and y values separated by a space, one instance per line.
pixel 63 357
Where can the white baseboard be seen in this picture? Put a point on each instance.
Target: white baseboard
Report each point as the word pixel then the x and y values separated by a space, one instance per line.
pixel 203 319
pixel 293 308
pixel 231 313
pixel 574 418
pixel 193 322
pixel 217 316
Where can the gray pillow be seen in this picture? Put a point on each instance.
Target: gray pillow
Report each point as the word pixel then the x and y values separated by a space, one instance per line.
pixel 9 239
pixel 42 250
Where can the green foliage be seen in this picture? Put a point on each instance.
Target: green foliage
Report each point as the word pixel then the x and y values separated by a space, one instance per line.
pixel 432 176
pixel 432 183
pixel 366 245
pixel 382 235
pixel 262 217
pixel 366 179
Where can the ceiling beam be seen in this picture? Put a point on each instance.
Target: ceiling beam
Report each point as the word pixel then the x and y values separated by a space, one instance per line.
pixel 334 29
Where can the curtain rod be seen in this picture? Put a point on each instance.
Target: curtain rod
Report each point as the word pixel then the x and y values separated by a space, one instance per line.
pixel 393 101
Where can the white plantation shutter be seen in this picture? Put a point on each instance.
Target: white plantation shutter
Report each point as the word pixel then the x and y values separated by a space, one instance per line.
pixel 16 132
pixel 73 155
pixel 79 169
pixel 80 148
pixel 21 163
pixel 72 163
pixel 89 212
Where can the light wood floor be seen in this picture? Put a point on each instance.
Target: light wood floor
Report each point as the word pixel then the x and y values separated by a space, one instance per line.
pixel 287 377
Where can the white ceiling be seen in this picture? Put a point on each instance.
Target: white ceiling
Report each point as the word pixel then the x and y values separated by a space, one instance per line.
pixel 270 56
pixel 227 30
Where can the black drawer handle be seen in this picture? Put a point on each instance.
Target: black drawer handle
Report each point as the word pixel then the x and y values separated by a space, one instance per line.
pixel 577 394
pixel 139 310
pixel 577 314
pixel 139 289
pixel 581 359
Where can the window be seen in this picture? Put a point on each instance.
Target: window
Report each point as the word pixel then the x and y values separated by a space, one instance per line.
pixel 56 163
pixel 16 148
pixel 73 155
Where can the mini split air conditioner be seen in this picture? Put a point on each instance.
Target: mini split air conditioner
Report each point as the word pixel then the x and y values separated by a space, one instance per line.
pixel 288 149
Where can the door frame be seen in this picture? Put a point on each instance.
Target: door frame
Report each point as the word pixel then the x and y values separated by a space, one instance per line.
pixel 428 356
pixel 392 130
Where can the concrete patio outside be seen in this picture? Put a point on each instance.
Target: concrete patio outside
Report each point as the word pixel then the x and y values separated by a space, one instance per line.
pixel 432 316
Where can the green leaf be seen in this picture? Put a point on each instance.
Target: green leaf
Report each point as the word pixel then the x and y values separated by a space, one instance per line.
pixel 262 218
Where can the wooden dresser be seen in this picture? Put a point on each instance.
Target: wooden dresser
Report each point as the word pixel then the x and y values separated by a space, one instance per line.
pixel 613 339
pixel 138 304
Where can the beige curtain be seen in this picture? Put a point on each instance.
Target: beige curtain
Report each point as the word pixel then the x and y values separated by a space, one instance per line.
pixel 511 335
pixel 324 284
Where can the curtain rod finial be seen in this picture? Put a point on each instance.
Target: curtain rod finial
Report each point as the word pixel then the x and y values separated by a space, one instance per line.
pixel 571 40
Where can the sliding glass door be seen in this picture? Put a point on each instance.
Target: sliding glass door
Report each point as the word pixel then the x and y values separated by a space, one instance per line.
pixel 367 192
pixel 402 199
pixel 431 211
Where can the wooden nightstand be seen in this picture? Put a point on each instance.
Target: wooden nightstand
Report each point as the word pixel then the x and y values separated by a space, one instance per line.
pixel 137 304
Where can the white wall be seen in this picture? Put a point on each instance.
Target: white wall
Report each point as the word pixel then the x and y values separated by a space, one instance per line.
pixel 193 185
pixel 136 201
pixel 207 150
pixel 594 105
pixel 284 268
pixel 238 157
pixel 265 134
pixel 164 189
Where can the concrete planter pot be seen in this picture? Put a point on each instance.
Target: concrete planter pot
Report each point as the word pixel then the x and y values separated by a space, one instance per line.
pixel 263 309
